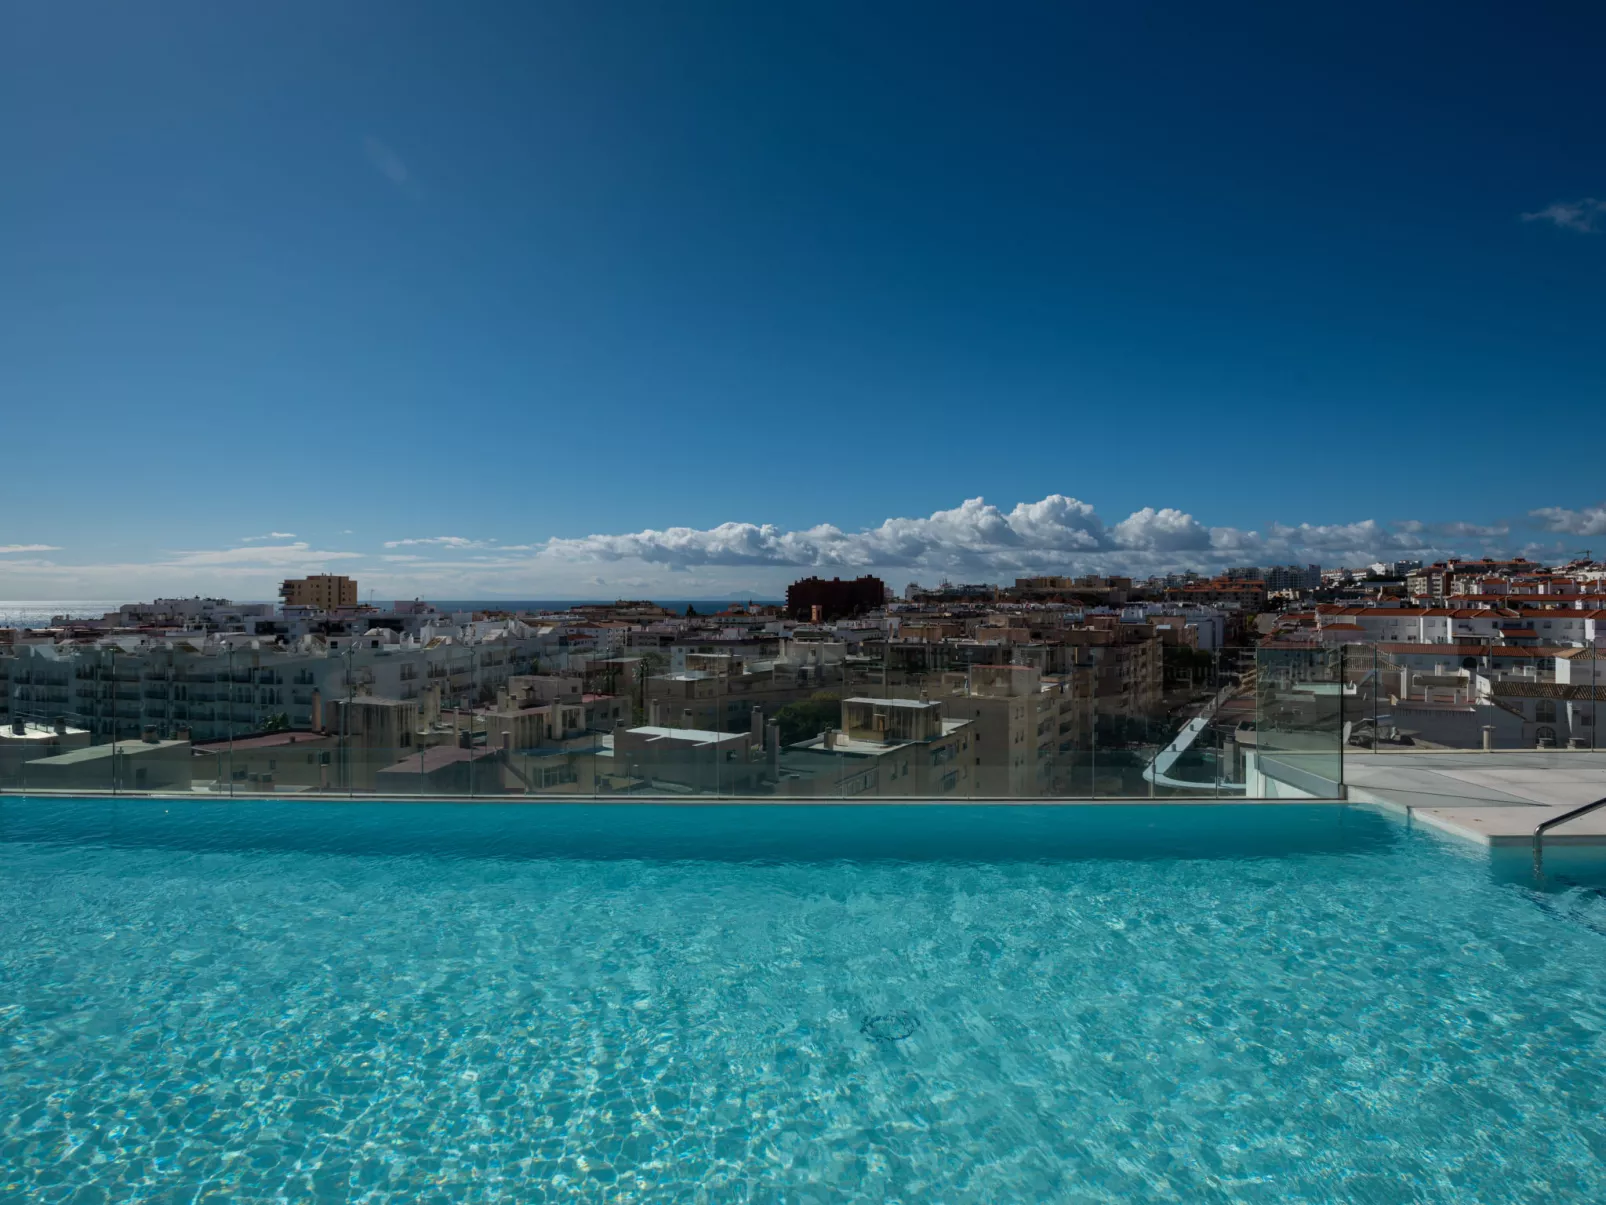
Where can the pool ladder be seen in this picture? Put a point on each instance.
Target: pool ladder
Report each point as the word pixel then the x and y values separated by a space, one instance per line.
pixel 1545 826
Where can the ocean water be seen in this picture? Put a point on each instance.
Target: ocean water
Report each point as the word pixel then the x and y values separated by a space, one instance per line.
pixel 305 1002
pixel 24 614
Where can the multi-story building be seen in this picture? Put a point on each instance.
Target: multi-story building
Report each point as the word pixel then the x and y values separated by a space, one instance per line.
pixel 533 710
pixel 321 591
pixel 22 742
pixel 207 614
pixel 884 747
pixel 721 696
pixel 1299 579
pixel 818 599
pixel 218 686
pixel 694 760
pixel 1394 569
pixel 1015 719
pixel 1428 581
pixel 1248 595
pixel 1569 626
pixel 1443 578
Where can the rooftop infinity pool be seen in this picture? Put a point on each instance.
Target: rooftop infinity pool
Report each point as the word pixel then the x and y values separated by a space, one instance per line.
pixel 281 1001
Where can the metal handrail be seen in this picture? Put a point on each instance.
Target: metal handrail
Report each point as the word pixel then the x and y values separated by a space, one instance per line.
pixel 1545 826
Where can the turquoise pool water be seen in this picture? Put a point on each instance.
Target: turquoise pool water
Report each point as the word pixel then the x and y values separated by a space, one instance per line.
pixel 303 1002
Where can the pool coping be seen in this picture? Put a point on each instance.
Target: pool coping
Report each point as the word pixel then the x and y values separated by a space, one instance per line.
pixel 685 801
pixel 1490 827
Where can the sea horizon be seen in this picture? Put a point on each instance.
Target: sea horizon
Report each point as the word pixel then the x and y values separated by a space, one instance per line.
pixel 36 613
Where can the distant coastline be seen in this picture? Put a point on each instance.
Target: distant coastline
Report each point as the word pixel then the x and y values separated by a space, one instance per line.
pixel 28 614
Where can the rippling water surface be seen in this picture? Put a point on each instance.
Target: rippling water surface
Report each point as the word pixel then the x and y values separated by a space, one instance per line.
pixel 233 1002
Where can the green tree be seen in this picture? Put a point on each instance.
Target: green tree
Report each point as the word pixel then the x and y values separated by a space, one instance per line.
pixel 808 717
pixel 651 663
pixel 1186 666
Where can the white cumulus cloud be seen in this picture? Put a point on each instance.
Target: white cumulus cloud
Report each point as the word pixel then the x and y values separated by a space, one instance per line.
pixel 978 538
pixel 1591 521
pixel 975 540
pixel 1165 530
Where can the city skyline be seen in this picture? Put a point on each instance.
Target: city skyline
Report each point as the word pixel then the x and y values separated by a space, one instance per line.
pixel 972 541
pixel 536 282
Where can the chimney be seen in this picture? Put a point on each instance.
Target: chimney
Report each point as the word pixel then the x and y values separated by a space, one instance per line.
pixel 756 728
pixel 685 718
pixel 147 735
pixel 19 727
pixel 61 725
pixel 317 711
pixel 830 739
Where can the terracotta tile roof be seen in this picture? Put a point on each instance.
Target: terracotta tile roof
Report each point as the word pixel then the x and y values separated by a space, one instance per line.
pixel 1473 650
pixel 1545 690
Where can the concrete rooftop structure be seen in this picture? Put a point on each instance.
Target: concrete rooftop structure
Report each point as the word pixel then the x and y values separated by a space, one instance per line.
pixel 1494 799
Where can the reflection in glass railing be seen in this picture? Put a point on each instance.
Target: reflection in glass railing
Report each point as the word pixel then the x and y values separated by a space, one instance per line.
pixel 1152 722
pixel 1486 697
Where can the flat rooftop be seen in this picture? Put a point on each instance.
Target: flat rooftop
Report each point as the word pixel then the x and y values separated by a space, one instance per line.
pixel 704 736
pixel 122 748
pixel 38 732
pixel 859 747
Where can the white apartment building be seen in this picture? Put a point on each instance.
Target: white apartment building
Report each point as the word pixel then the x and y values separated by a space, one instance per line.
pixel 1210 624
pixel 191 612
pixel 219 686
pixel 1450 625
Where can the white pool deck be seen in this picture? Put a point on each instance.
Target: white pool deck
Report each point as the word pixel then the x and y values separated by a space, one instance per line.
pixel 1491 798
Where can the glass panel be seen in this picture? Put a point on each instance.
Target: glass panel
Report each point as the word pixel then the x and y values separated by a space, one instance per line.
pixel 984 703
pixel 1300 698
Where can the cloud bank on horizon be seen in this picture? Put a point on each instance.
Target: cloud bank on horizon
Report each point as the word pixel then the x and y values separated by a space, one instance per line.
pixel 975 540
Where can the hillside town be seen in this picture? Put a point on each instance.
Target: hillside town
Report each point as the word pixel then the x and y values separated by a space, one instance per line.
pixel 1050 686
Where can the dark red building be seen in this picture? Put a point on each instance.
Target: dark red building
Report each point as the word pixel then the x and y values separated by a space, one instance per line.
pixel 836 598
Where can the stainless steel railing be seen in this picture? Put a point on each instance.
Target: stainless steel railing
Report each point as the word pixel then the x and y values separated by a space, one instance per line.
pixel 1545 826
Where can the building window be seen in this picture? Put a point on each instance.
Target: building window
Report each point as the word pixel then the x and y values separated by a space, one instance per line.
pixel 1544 712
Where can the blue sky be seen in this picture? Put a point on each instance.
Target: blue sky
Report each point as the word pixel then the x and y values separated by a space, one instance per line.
pixel 694 298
